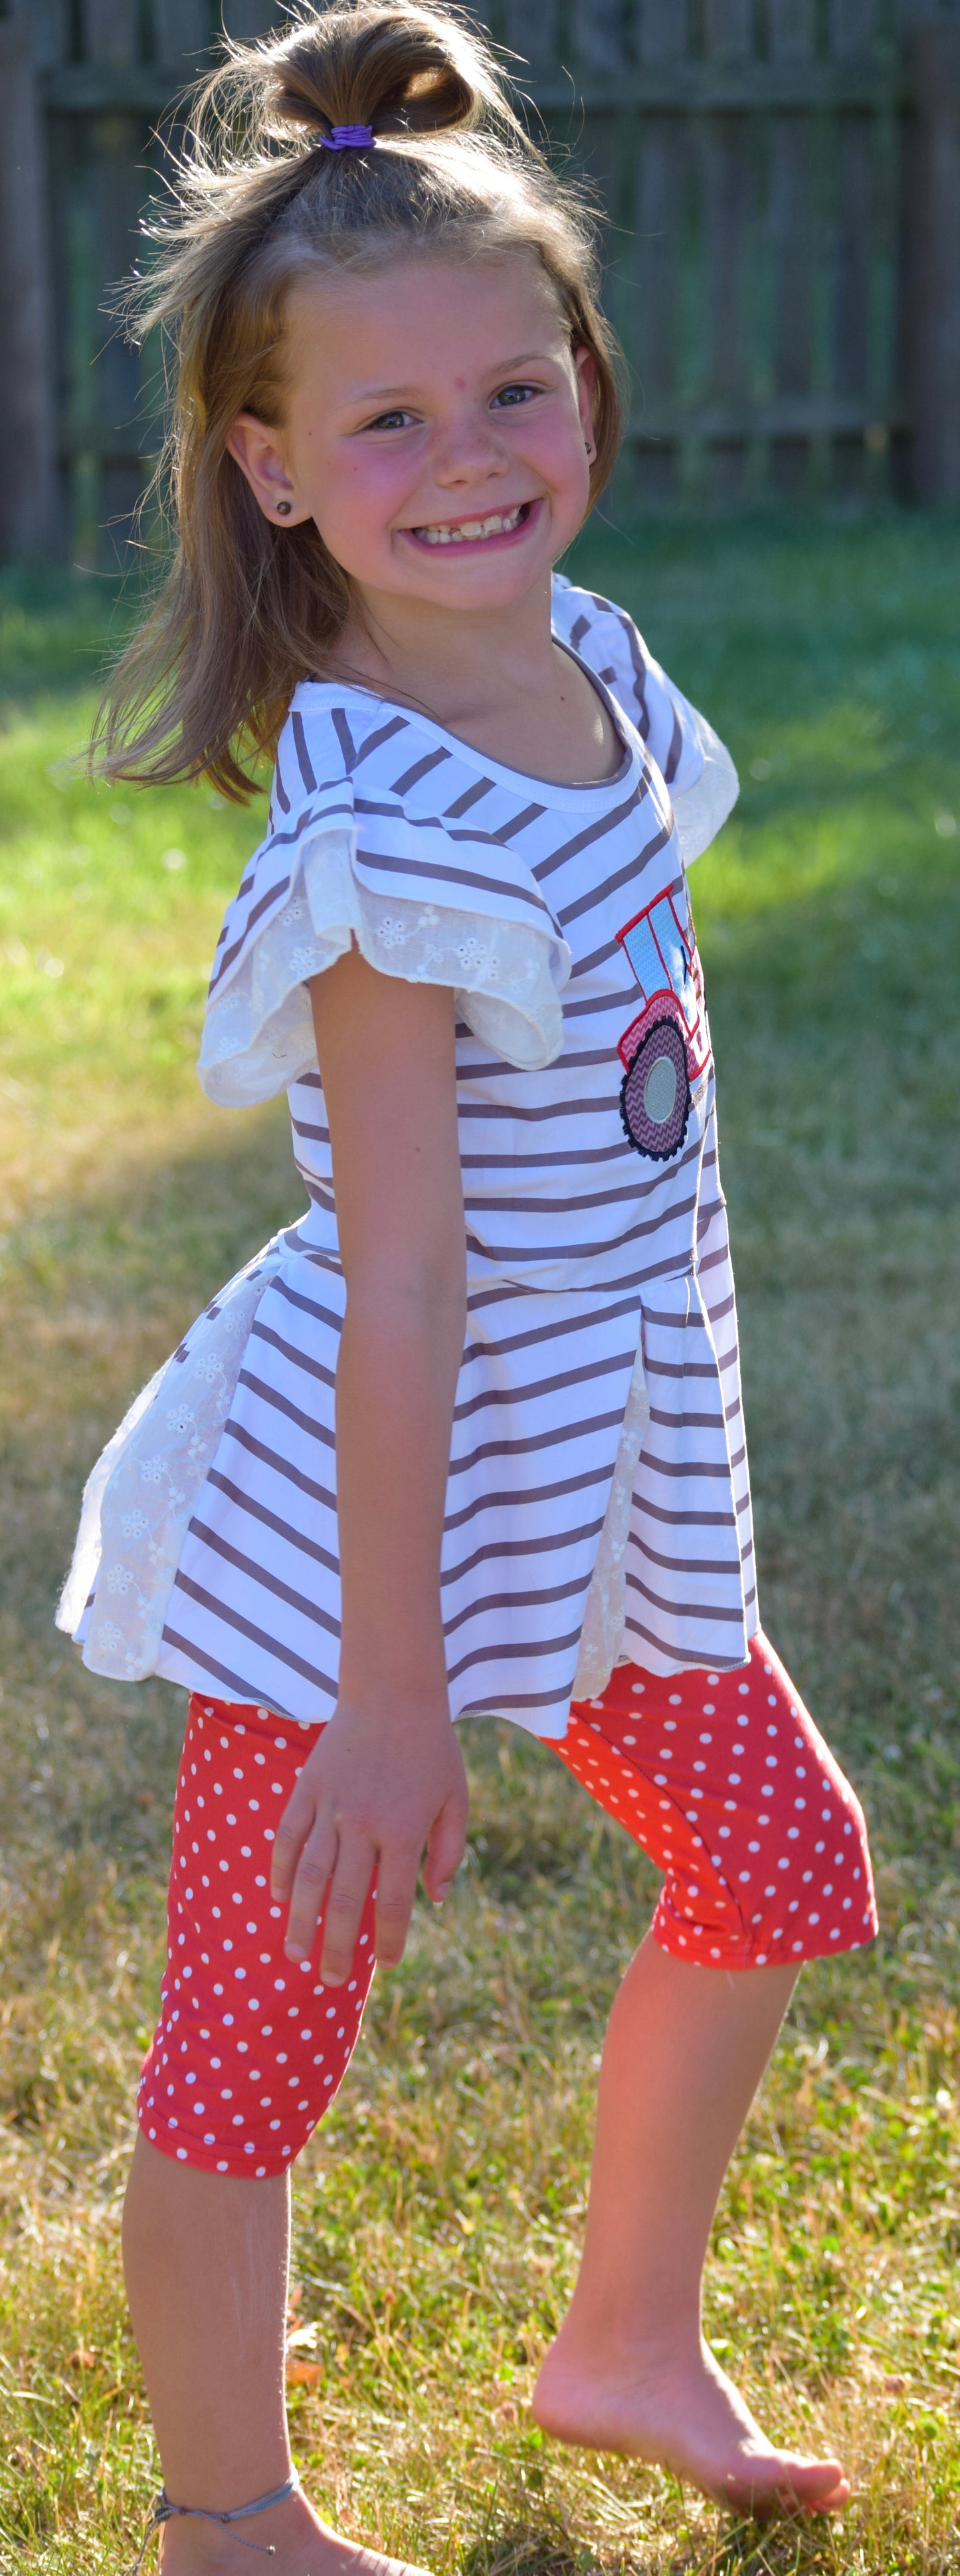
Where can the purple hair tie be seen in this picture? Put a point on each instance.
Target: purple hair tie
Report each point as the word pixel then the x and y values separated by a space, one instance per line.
pixel 349 138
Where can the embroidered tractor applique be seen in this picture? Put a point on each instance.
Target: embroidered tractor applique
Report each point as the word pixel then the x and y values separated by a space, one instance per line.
pixel 666 1047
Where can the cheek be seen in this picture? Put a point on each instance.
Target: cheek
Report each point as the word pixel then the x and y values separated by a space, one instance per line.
pixel 357 497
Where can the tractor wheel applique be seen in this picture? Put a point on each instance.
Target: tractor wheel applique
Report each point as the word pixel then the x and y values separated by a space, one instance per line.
pixel 655 1093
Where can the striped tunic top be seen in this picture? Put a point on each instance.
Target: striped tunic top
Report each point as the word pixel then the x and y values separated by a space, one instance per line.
pixel 598 1500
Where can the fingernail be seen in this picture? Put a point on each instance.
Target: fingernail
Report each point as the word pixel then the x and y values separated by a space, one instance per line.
pixel 291 1951
pixel 443 1891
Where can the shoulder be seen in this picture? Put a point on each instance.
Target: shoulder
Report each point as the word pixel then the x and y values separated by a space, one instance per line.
pixel 607 639
pixel 694 764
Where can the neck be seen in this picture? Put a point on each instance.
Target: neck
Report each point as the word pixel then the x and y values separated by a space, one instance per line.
pixel 448 661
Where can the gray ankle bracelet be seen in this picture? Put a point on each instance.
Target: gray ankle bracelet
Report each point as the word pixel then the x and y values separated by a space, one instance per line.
pixel 164 2511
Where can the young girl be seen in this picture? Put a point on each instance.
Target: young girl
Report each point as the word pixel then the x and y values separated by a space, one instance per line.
pixel 467 1438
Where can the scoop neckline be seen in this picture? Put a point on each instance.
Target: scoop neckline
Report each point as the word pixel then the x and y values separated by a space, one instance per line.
pixel 553 787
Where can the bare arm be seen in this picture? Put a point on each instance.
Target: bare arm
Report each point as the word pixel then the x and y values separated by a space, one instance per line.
pixel 386 1778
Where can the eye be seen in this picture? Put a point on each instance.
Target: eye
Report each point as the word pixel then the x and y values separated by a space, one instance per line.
pixel 510 396
pixel 390 420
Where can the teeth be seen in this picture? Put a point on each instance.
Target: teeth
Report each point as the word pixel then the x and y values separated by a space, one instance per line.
pixel 499 525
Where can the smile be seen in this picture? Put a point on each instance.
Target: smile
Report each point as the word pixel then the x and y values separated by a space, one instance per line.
pixel 498 523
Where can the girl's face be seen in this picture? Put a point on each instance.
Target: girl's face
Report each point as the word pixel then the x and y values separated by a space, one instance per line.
pixel 437 429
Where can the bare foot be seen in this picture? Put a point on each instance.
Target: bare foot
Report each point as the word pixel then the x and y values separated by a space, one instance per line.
pixel 303 2546
pixel 684 2415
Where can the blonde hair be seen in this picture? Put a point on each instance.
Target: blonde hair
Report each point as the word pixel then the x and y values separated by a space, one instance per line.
pixel 248 609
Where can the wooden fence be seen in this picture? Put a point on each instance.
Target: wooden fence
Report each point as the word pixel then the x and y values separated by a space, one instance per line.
pixel 783 182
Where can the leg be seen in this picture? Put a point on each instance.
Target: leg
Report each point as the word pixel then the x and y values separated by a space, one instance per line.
pixel 724 1780
pixel 206 2269
pixel 629 2371
pixel 248 2053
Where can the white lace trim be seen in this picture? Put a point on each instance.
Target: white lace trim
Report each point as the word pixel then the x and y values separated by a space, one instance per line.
pixel 702 808
pixel 604 1618
pixel 139 1500
pixel 507 976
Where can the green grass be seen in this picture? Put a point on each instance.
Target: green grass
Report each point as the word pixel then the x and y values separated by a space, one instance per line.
pixel 439 2211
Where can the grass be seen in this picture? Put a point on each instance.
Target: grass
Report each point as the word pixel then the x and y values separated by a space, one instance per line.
pixel 439 2211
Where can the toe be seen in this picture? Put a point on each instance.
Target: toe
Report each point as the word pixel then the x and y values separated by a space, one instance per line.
pixel 788 2487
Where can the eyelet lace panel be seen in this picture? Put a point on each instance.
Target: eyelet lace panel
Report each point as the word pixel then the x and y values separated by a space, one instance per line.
pixel 507 976
pixel 601 1637
pixel 701 809
pixel 141 1495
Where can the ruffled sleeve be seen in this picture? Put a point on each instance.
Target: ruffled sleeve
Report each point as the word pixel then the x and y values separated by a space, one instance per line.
pixel 343 864
pixel 693 762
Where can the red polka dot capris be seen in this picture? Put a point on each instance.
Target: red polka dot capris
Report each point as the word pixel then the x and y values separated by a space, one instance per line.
pixel 723 1780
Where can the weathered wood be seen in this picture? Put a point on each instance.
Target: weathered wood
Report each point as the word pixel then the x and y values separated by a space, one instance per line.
pixel 531 29
pixel 655 335
pixel 48 27
pixel 728 29
pixel 785 416
pixel 792 26
pixel 111 31
pixel 930 295
pixel 853 26
pixel 245 19
pixel 598 29
pixel 678 85
pixel 29 516
pixel 663 33
pixel 183 31
pixel 852 275
pixel 790 224
pixel 726 225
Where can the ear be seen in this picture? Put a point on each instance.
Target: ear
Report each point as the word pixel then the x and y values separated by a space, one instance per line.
pixel 259 454
pixel 586 366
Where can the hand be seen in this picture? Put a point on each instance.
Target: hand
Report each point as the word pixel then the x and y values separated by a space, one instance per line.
pixel 378 1788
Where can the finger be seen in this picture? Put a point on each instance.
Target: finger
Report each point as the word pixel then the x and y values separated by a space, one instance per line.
pixel 446 1844
pixel 296 1823
pixel 396 1889
pixel 317 1860
pixel 346 1897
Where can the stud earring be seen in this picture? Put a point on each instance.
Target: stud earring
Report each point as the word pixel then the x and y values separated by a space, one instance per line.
pixel 283 509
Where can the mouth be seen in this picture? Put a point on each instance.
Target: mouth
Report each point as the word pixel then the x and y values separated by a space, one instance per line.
pixel 473 532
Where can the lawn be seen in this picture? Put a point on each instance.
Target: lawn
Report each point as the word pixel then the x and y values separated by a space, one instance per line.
pixel 439 2213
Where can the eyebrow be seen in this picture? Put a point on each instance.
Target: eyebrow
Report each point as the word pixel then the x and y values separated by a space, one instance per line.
pixel 395 393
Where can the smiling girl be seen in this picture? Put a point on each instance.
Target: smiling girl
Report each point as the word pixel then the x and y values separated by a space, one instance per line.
pixel 467 1438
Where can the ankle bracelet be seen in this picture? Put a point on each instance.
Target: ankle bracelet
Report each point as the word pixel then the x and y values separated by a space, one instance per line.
pixel 164 2511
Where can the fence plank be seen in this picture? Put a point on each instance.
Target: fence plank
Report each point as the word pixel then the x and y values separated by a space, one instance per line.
pixel 930 321
pixel 28 499
pixel 853 27
pixel 183 33
pixel 728 32
pixel 599 32
pixel 531 30
pixel 792 30
pixel 246 19
pixel 663 34
pixel 48 26
pixel 728 29
pixel 790 219
pixel 662 178
pixel 111 31
pixel 853 260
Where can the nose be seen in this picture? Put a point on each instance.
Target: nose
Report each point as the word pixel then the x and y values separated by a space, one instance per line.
pixel 467 450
